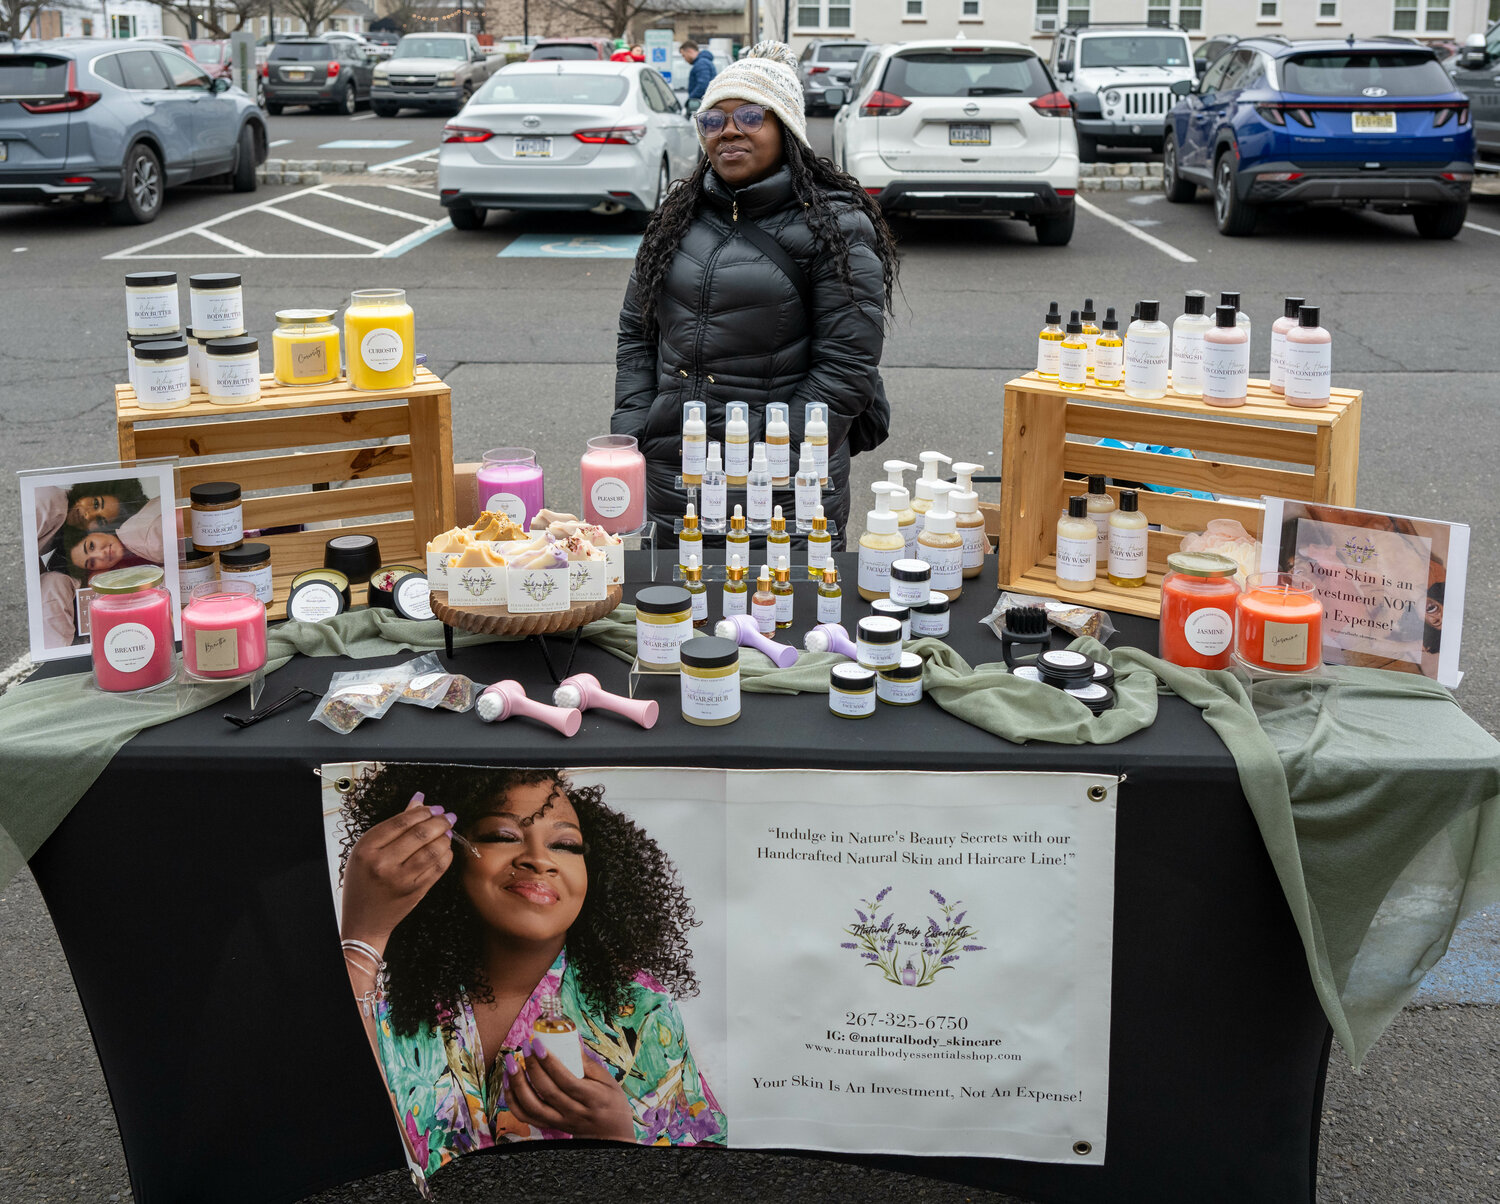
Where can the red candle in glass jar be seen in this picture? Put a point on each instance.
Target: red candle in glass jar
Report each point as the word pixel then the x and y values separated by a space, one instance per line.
pixel 224 630
pixel 130 629
pixel 1198 595
pixel 1279 624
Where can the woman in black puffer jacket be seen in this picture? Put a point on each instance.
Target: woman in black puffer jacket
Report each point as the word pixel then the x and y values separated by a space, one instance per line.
pixel 709 317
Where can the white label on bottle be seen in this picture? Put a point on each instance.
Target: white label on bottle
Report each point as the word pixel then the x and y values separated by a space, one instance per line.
pixel 1209 631
pixel 260 577
pixel 694 456
pixel 217 313
pixel 783 608
pixel 779 457
pixel 910 593
pixel 657 643
pixel 315 602
pixel 830 610
pixel 1187 360
pixel 163 382
pixel 234 376
pixel 809 498
pixel 1073 364
pixel 764 614
pixel 151 310
pixel 820 460
pixel 1093 343
pixel 710 697
pixel 1278 357
pixel 217 649
pixel 218 528
pixel 715 500
pixel 875 568
pixel 1226 369
pixel 909 533
pixel 1284 643
pixel 507 504
pixel 1048 356
pixel 844 702
pixel 1127 552
pixel 414 597
pixel 1308 368
pixel 976 546
pixel 899 692
pixel 565 1047
pixel 129 647
pixel 819 552
pixel 735 602
pixel 737 459
pixel 1101 547
pixel 610 497
pixel 758 503
pixel 1076 558
pixel 381 349
pixel 688 547
pixel 1109 363
pixel 947 566
pixel 700 605
pixel 1146 365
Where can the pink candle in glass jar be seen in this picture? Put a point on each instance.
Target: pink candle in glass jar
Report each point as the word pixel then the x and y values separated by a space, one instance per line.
pixel 614 483
pixel 130 629
pixel 223 630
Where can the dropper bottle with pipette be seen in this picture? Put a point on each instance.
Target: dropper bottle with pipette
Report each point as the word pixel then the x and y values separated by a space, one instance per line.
pixel 880 546
pixel 965 503
pixel 922 503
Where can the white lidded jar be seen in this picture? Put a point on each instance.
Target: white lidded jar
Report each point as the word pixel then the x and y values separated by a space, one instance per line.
pixel 231 370
pixel 162 378
pixel 217 304
pixel 151 304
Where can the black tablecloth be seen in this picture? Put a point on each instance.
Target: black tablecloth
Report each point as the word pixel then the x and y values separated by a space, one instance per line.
pixel 190 889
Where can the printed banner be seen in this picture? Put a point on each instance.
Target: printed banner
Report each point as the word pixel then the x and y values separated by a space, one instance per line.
pixel 908 963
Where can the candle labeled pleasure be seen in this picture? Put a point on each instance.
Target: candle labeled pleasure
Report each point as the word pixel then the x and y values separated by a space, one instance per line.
pixel 1279 624
pixel 614 483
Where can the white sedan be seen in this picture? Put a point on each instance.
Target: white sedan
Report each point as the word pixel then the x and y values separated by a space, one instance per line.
pixel 565 134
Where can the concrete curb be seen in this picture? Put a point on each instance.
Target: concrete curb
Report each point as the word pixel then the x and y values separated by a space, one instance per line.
pixel 308 171
pixel 1119 177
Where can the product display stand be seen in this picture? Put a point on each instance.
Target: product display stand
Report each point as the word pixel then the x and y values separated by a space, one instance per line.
pixel 498 620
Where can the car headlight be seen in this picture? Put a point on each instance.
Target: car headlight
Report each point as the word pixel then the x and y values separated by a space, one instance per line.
pixel 1112 98
pixel 380 74
pixel 447 77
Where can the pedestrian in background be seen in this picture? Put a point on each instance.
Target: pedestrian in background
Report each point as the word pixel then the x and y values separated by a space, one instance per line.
pixel 703 69
pixel 765 277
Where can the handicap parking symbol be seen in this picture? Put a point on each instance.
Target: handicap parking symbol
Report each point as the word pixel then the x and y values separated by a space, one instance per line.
pixel 583 246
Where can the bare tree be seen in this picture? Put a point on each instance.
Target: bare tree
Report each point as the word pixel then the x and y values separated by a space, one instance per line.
pixel 616 15
pixel 314 12
pixel 18 17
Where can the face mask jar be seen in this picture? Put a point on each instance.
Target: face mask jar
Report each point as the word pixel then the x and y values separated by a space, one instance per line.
pixel 878 642
pixel 901 685
pixel 851 691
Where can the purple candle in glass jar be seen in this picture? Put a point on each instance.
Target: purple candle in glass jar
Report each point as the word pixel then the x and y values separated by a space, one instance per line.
pixel 510 483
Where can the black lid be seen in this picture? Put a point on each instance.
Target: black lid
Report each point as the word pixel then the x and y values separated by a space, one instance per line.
pixel 214 280
pixel 1110 321
pixel 1130 501
pixel 214 493
pixel 149 279
pixel 314 600
pixel 1088 309
pixel 1230 299
pixel 1096 482
pixel 137 340
pixel 1135 314
pixel 850 677
pixel 1053 316
pixel 1150 311
pixel 411 596
pixel 1194 302
pixel 1066 666
pixel 1293 304
pixel 1074 325
pixel 663 600
pixel 1094 695
pixel 936 604
pixel 1308 315
pixel 237 344
pixel 171 349
pixel 1103 674
pixel 708 652
pixel 1078 507
pixel 911 570
pixel 247 555
pixel 356 556
pixel 910 669
pixel 880 629
pixel 1225 315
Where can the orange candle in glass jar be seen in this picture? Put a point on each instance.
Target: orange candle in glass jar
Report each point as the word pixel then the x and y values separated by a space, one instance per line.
pixel 1279 624
pixel 1197 610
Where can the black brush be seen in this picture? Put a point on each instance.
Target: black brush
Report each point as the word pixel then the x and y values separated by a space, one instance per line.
pixel 1027 627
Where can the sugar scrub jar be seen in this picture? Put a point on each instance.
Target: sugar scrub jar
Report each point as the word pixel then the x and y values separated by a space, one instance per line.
pixel 223 631
pixel 130 629
pixel 379 338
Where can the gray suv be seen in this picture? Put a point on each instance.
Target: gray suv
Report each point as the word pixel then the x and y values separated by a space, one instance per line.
pixel 827 64
pixel 119 122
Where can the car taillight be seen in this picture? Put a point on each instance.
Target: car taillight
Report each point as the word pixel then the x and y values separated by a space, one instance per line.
pixel 73 102
pixel 883 104
pixel 464 133
pixel 1443 116
pixel 817 70
pixel 265 71
pixel 1278 177
pixel 1054 104
pixel 1277 114
pixel 1459 177
pixel 1067 192
pixel 618 135
pixel 1271 113
pixel 333 70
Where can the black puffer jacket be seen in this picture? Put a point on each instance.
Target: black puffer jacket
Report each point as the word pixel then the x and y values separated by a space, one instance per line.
pixel 732 327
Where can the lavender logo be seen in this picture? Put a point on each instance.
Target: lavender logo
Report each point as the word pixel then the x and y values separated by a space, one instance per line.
pixel 910 954
pixel 476 581
pixel 538 588
pixel 1359 550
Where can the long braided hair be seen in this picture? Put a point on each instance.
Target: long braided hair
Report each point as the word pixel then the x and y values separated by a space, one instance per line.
pixel 823 188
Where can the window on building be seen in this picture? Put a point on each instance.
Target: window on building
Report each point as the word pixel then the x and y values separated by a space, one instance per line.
pixel 1420 16
pixel 1270 11
pixel 825 14
pixel 916 10
pixel 969 11
pixel 1328 12
pixel 1055 14
pixel 122 25
pixel 86 27
pixel 1187 13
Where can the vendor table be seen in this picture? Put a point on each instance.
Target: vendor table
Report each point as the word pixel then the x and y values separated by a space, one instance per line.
pixel 190 891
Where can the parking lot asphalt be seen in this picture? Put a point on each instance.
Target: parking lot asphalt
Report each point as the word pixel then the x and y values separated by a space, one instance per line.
pixel 520 318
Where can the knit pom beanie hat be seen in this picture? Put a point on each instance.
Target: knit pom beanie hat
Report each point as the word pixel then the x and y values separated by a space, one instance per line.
pixel 766 76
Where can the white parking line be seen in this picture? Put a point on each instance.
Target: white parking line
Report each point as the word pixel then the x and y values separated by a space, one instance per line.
pixel 426 196
pixel 362 117
pixel 1135 231
pixel 132 252
pixel 333 230
pixel 399 165
pixel 1481 229
pixel 349 200
pixel 280 142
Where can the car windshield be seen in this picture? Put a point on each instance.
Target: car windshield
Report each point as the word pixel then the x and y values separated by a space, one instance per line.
pixel 432 48
pixel 941 73
pixel 28 75
pixel 1350 73
pixel 564 88
pixel 302 52
pixel 848 53
pixel 1133 52
pixel 564 50
pixel 208 52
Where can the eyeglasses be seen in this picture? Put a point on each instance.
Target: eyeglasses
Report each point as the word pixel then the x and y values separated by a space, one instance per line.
pixel 748 119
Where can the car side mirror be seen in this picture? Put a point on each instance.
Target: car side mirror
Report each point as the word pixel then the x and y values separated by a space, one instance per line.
pixel 221 84
pixel 1199 67
pixel 1065 68
pixel 693 106
pixel 1473 60
pixel 834 98
pixel 1181 87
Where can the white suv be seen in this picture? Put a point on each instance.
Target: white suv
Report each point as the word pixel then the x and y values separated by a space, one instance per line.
pixel 962 128
pixel 1120 79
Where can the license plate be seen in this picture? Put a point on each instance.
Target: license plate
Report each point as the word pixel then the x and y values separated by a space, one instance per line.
pixel 533 148
pixel 968 135
pixel 1375 123
pixel 298 76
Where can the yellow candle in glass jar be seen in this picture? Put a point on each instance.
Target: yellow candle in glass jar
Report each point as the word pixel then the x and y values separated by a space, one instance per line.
pixel 379 333
pixel 305 347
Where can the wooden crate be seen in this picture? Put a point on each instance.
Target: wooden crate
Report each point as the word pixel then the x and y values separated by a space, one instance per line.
pixel 412 476
pixel 1315 454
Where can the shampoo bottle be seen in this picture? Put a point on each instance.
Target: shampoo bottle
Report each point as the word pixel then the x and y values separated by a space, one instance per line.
pixel 736 592
pixel 1241 318
pixel 965 503
pixel 1187 345
pixel 819 542
pixel 1073 356
pixel 1077 541
pixel 781 589
pixel 713 494
pixel 880 546
pixel 1109 353
pixel 922 503
pixel 941 546
pixel 1309 361
pixel 737 443
pixel 690 538
pixel 779 445
pixel 694 442
pixel 809 493
pixel 1101 506
pixel 758 491
pixel 815 431
pixel 763 604
pixel 1128 535
pixel 1226 360
pixel 1279 328
pixel 1146 354
pixel 1049 344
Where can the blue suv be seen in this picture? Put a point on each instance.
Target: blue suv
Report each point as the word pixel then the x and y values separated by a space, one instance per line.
pixel 1373 123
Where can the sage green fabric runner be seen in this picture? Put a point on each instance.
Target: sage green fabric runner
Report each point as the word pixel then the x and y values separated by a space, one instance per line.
pixel 1377 798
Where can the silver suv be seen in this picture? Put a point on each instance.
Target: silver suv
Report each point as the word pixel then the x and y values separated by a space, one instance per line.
pixel 1119 78
pixel 827 64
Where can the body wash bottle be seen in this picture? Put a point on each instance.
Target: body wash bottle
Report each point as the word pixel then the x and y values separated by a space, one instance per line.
pixel 781 589
pixel 737 538
pixel 1226 360
pixel 1109 353
pixel 779 445
pixel 830 596
pixel 1090 330
pixel 880 546
pixel 778 542
pixel 758 491
pixel 689 539
pixel 1077 541
pixel 1101 506
pixel 713 493
pixel 815 431
pixel 1146 354
pixel 1187 345
pixel 942 547
pixel 1073 356
pixel 965 503
pixel 819 542
pixel 737 443
pixel 693 583
pixel 1279 328
pixel 1309 361
pixel 1128 536
pixel 809 493
pixel 763 603
pixel 736 592
pixel 694 442
pixel 1048 344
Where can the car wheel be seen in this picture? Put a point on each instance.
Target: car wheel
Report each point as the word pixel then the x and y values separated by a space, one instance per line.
pixel 464 97
pixel 144 188
pixel 243 177
pixel 1178 190
pixel 349 102
pixel 466 217
pixel 385 110
pixel 273 109
pixel 1440 221
pixel 1056 231
pixel 1234 216
pixel 1088 148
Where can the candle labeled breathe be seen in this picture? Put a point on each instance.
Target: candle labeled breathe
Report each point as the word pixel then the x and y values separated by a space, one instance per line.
pixel 130 629
pixel 1278 624
pixel 614 483
pixel 223 630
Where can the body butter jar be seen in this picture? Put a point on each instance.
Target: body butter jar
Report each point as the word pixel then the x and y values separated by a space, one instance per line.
pixel 151 304
pixel 250 563
pixel 217 518
pixel 223 631
pixel 305 347
pixel 901 685
pixel 851 691
pixel 163 378
pixel 217 304
pixel 663 623
pixel 130 629
pixel 231 370
pixel 878 642
pixel 710 681
pixel 197 372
